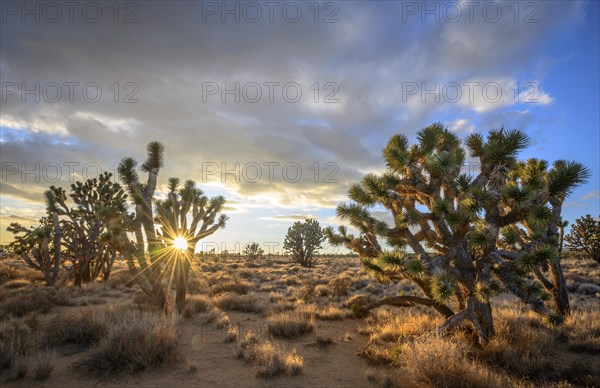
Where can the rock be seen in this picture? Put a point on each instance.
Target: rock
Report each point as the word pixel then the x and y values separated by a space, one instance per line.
pixel 588 289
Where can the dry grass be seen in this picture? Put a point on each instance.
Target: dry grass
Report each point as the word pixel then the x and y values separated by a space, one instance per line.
pixel 521 345
pixel 340 286
pixel 22 301
pixel 44 365
pixel 267 358
pixel 386 326
pixel 434 361
pixel 82 327
pixel 582 331
pixel 195 304
pixel 233 302
pixel 290 325
pixel 332 313
pixel 140 340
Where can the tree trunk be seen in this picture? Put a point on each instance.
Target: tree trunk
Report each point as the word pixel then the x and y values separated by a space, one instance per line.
pixel 181 285
pixel 559 292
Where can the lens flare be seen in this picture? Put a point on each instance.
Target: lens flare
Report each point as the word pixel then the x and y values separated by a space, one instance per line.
pixel 180 243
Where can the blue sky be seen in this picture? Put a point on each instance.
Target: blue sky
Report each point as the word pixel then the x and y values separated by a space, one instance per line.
pixel 363 65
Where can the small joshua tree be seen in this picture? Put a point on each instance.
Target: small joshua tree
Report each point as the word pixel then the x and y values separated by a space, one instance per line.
pixel 40 246
pixel 179 236
pixel 585 236
pixel 470 237
pixel 253 251
pixel 303 240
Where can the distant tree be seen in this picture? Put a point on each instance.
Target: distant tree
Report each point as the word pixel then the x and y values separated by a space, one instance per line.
pixel 303 240
pixel 585 236
pixel 253 251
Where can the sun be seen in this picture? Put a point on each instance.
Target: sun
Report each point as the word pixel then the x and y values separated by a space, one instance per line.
pixel 180 243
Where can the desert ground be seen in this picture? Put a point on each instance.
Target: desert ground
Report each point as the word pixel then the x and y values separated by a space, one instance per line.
pixel 271 323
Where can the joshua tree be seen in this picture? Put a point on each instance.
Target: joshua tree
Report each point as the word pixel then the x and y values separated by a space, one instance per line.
pixel 89 226
pixel 469 236
pixel 253 251
pixel 43 243
pixel 142 256
pixel 179 235
pixel 303 240
pixel 585 236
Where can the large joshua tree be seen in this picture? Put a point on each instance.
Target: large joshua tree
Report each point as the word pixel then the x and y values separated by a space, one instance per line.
pixel 180 235
pixel 142 256
pixel 165 253
pixel 470 236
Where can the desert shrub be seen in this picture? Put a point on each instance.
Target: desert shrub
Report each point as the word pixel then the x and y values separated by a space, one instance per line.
pixel 15 341
pixel 268 359
pixel 83 327
pixel 582 331
pixel 340 286
pixel 26 300
pixel 233 302
pixel 332 313
pixel 389 327
pixel 44 365
pixel 290 325
pixel 435 361
pixel 217 316
pixel 232 334
pixel 139 341
pixel 17 283
pixel 521 345
pixel 239 287
pixel 322 290
pixel 195 304
pixel 19 368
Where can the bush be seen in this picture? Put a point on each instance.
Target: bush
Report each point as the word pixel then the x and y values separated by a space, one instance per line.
pixel 290 325
pixel 83 327
pixel 340 286
pixel 435 361
pixel 233 302
pixel 44 365
pixel 268 359
pixel 139 341
pixel 195 304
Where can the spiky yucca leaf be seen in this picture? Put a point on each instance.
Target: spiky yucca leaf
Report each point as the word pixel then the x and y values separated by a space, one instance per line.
pixel 565 176
pixel 443 287
pixel 539 216
pixel 358 194
pixel 485 291
pixel 415 268
pixel 156 152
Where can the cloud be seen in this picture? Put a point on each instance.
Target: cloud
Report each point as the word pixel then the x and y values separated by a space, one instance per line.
pixel 591 195
pixel 290 217
pixel 166 61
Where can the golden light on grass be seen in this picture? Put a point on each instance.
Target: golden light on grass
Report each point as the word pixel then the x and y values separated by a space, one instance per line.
pixel 180 243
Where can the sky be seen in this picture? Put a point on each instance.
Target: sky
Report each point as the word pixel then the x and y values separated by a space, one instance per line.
pixel 281 106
